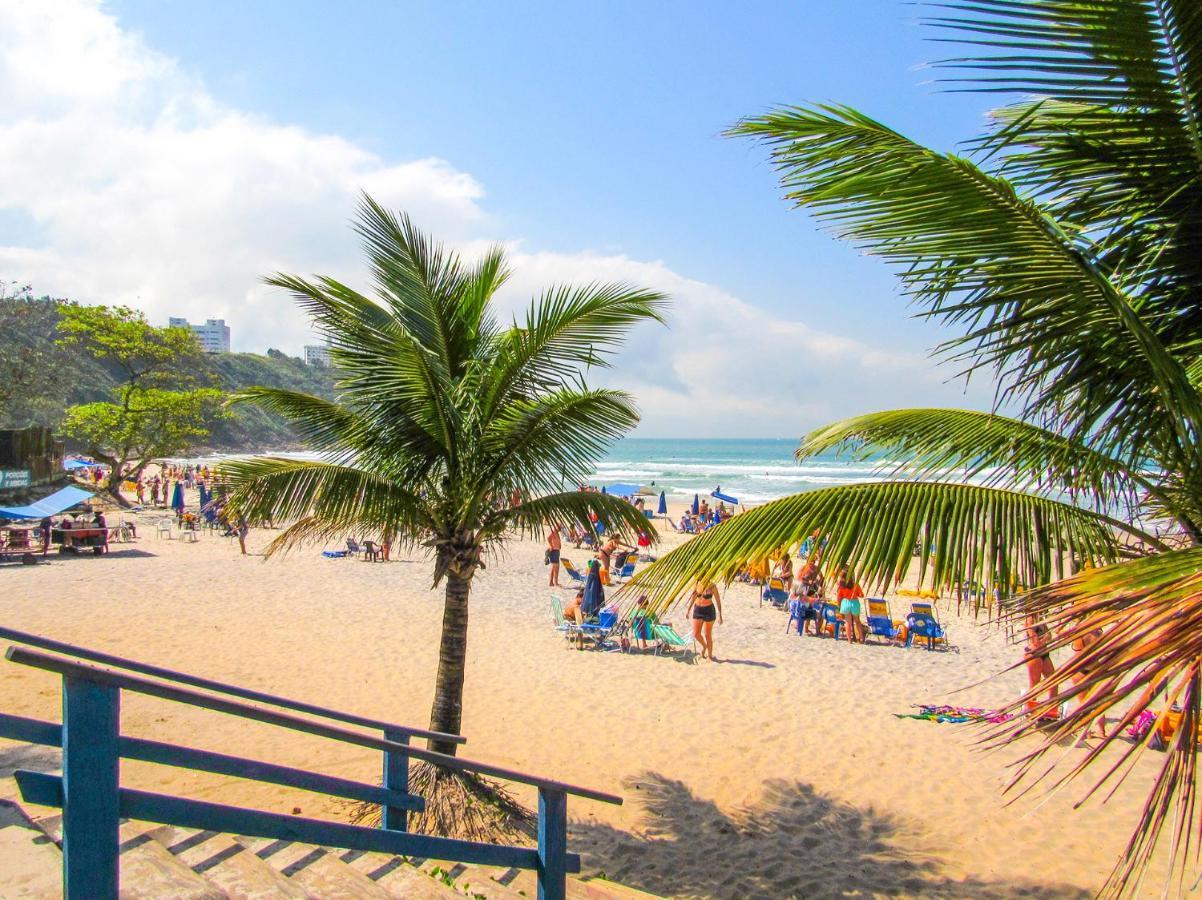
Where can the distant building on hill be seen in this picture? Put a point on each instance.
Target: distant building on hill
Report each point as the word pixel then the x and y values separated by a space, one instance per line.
pixel 214 334
pixel 317 354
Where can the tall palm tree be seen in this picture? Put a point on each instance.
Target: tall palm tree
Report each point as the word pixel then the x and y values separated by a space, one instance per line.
pixel 1067 245
pixel 443 415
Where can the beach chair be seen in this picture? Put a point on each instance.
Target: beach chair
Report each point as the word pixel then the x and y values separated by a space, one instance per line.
pixel 667 639
pixel 880 622
pixel 353 548
pixel 602 631
pixel 162 528
pixel 774 592
pixel 575 574
pixel 830 615
pixel 570 630
pixel 372 551
pixel 921 622
pixel 622 569
pixel 797 613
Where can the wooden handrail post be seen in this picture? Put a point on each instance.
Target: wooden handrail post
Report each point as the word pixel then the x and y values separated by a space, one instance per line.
pixel 552 844
pixel 91 816
pixel 396 778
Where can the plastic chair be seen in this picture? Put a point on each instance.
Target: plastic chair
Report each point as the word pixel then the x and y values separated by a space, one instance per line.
pixel 923 625
pixel 830 615
pixel 163 527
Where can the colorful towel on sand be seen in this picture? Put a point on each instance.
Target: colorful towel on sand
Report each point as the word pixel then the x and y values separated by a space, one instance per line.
pixel 955 714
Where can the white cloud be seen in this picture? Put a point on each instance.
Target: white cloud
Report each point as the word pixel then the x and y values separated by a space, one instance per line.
pixel 141 188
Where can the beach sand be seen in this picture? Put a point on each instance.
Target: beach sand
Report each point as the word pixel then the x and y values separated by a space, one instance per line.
pixel 780 770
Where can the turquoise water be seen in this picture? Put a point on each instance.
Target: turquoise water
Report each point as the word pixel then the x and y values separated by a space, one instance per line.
pixel 753 470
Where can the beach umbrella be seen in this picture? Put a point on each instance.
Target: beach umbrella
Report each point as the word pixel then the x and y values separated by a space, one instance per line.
pixel 177 498
pixel 696 505
pixel 204 495
pixel 603 489
pixel 663 503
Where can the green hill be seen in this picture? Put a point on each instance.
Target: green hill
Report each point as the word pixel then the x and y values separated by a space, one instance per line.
pixel 39 379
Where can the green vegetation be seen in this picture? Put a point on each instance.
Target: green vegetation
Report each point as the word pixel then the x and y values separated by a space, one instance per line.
pixel 154 410
pixel 1068 248
pixel 443 414
pixel 40 378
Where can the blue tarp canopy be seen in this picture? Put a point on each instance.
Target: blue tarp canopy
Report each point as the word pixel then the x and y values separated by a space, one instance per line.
pixel 72 464
pixel 622 489
pixel 725 498
pixel 58 502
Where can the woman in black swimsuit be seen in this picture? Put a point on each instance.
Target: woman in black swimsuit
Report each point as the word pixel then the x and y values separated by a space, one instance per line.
pixel 705 606
pixel 1039 662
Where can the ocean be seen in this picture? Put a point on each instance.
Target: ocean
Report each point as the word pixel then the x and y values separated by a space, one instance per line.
pixel 753 470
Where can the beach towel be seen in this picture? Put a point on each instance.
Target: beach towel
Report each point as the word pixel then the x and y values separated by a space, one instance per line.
pixel 955 714
pixel 335 554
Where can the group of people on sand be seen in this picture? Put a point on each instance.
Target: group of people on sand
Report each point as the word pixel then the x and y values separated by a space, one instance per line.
pixel 1037 653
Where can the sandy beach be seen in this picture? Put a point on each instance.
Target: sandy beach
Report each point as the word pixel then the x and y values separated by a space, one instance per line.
pixel 780 770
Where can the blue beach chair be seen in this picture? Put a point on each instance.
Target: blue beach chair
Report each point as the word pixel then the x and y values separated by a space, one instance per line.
pixel 830 615
pixel 774 592
pixel 921 622
pixel 880 622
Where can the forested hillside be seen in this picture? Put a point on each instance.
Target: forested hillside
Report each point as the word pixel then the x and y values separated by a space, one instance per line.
pixel 39 379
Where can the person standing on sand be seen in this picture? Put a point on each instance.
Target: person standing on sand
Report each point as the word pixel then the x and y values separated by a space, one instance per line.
pixel 848 595
pixel 243 531
pixel 1039 663
pixel 705 606
pixel 554 545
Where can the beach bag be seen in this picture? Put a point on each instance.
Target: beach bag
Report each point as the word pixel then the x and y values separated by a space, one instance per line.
pixel 546 557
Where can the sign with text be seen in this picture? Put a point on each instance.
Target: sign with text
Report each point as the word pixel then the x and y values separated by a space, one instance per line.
pixel 15 478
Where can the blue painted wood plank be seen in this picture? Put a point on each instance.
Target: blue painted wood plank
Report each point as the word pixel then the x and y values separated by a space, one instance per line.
pixel 38 787
pixel 285 720
pixel 396 778
pixel 108 659
pixel 552 845
pixel 33 731
pixel 91 813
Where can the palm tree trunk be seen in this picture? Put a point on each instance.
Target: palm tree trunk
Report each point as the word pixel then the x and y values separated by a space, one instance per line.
pixel 447 713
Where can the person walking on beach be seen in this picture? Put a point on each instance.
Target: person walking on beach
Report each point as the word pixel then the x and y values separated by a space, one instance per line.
pixel 848 595
pixel 705 606
pixel 1039 663
pixel 554 546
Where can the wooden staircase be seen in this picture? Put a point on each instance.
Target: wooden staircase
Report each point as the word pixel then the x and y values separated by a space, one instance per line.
pixel 164 862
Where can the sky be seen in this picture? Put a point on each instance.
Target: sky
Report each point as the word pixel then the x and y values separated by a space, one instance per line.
pixel 168 155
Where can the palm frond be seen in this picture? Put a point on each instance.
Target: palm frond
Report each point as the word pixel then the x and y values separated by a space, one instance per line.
pixel 552 440
pixel 1141 626
pixel 1036 305
pixel 572 508
pixel 962 445
pixel 326 500
pixel 564 329
pixel 956 533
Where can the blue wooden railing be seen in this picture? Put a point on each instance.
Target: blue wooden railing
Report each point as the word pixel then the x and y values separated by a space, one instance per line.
pixel 93 801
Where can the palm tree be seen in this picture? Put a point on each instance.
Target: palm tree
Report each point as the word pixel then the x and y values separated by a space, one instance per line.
pixel 444 414
pixel 1067 247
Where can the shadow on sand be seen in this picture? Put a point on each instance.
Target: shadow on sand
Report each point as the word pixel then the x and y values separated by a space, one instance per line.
pixel 792 843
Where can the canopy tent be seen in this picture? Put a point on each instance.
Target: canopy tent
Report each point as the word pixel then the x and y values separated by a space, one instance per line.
pixel 621 489
pixel 59 501
pixel 71 465
pixel 663 503
pixel 725 498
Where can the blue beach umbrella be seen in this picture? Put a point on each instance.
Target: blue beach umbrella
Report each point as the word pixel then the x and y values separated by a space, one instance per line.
pixel 696 505
pixel 177 498
pixel 594 594
pixel 663 503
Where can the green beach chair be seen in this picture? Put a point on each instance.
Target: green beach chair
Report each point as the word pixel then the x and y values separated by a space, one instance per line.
pixel 667 639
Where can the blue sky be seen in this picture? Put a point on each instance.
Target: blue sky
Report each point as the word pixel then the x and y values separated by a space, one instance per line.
pixel 587 134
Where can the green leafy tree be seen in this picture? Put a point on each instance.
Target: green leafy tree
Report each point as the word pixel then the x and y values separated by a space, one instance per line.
pixel 1067 247
pixel 146 425
pixel 443 414
pixel 31 370
pixel 149 416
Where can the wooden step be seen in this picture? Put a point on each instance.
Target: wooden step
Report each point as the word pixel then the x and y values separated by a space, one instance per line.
pixel 318 870
pixel 397 876
pixel 32 866
pixel 227 864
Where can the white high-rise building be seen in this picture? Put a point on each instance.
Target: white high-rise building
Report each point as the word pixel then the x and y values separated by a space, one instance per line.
pixel 214 334
pixel 317 354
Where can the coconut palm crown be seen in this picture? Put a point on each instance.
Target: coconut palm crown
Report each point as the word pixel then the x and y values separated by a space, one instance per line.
pixel 1066 246
pixel 443 415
